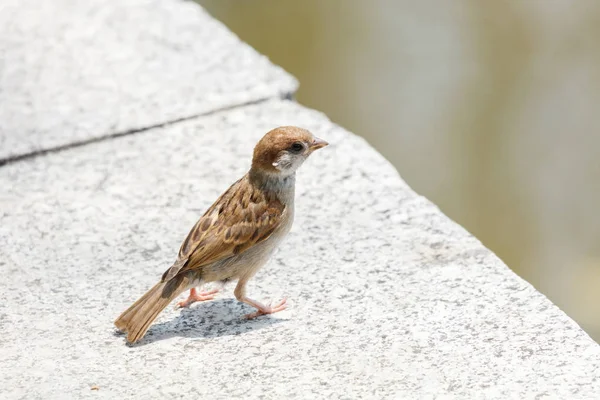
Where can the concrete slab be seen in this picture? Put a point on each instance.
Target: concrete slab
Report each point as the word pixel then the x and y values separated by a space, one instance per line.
pixel 72 71
pixel 388 297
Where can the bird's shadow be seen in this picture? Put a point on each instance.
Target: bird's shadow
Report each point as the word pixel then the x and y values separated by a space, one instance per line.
pixel 216 318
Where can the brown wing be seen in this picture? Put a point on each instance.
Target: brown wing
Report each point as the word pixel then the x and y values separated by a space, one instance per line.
pixel 242 217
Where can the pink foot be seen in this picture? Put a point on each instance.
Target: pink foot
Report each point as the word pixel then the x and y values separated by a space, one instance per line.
pixel 194 297
pixel 263 310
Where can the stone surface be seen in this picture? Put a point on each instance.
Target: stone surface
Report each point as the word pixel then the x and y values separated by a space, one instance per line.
pixel 388 297
pixel 75 70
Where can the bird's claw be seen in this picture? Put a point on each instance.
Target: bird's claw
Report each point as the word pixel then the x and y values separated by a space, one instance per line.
pixel 267 310
pixel 194 297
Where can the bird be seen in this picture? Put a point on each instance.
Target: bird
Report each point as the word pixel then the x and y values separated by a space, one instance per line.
pixel 236 235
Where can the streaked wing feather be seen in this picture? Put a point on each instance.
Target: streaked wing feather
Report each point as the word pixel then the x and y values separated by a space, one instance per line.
pixel 242 217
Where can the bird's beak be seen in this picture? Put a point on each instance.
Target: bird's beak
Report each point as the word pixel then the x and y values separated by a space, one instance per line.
pixel 317 144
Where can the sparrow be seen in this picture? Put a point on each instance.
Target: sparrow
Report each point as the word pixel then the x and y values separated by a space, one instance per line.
pixel 237 234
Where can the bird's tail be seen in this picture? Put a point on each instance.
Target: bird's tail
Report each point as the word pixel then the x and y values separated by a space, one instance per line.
pixel 137 319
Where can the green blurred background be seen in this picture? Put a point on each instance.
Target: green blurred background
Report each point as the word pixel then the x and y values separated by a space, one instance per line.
pixel 491 109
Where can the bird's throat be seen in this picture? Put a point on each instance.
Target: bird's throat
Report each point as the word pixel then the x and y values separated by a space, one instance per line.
pixel 283 186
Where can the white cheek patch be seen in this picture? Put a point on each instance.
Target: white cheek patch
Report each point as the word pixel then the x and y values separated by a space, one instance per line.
pixel 288 162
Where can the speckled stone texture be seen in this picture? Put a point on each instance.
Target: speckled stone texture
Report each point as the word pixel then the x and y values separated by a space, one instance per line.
pixel 76 70
pixel 388 297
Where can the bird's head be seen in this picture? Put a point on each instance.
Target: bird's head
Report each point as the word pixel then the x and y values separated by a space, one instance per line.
pixel 284 149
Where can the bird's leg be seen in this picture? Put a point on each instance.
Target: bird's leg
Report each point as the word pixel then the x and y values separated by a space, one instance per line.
pixel 240 295
pixel 195 296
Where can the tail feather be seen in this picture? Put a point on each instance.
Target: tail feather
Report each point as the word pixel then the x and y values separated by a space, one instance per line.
pixel 139 316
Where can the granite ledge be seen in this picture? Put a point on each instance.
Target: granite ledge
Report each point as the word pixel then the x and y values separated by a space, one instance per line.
pixel 75 71
pixel 388 297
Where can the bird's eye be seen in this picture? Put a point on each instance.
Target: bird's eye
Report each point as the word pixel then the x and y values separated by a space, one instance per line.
pixel 297 147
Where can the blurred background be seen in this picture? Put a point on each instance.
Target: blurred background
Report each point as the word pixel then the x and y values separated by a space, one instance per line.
pixel 490 109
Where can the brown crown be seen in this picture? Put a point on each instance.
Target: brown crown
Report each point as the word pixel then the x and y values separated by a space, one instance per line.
pixel 268 149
